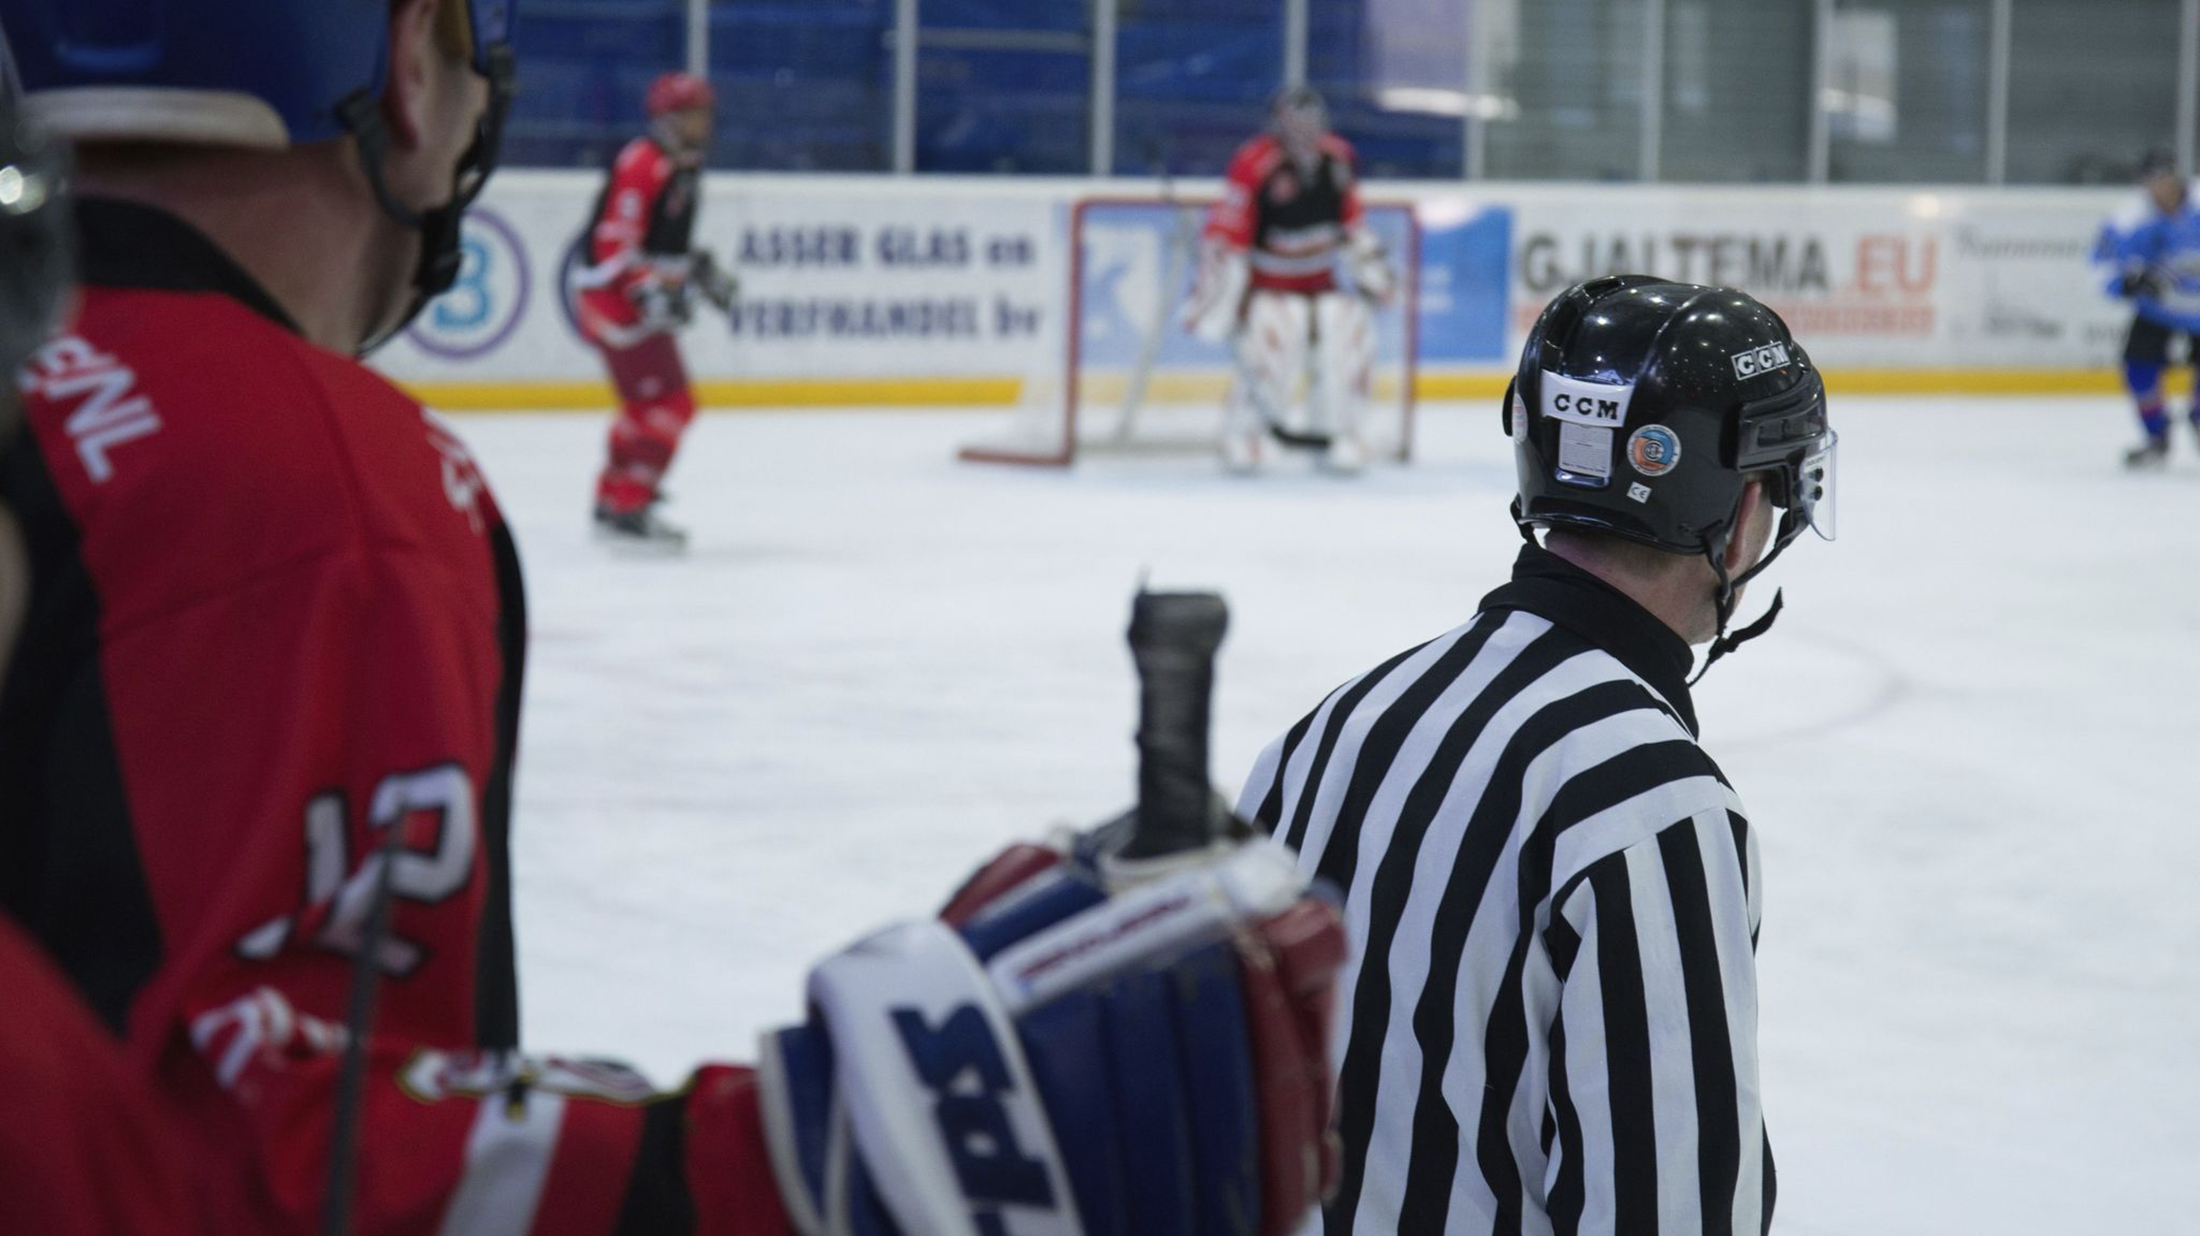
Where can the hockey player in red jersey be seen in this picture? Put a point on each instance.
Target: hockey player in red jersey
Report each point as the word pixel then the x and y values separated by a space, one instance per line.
pixel 257 740
pixel 88 1146
pixel 1289 214
pixel 636 289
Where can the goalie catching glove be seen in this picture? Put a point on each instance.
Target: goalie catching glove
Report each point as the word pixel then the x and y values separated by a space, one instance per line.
pixel 1069 1051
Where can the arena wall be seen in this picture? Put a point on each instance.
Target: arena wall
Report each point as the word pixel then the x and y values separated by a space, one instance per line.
pixel 951 291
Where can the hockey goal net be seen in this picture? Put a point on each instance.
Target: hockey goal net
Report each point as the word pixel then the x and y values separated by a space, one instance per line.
pixel 1116 373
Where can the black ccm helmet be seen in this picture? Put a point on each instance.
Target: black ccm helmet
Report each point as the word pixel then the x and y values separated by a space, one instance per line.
pixel 1640 408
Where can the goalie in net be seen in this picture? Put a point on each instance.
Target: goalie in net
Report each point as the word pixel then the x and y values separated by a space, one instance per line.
pixel 1289 220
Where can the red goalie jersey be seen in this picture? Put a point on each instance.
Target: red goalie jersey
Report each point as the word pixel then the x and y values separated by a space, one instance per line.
pixel 275 640
pixel 1291 221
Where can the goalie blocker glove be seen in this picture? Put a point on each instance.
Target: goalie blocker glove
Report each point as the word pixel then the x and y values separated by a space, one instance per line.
pixel 1062 1055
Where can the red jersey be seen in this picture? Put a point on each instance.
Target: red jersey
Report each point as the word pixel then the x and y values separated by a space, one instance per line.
pixel 1290 220
pixel 641 230
pixel 275 643
pixel 88 1147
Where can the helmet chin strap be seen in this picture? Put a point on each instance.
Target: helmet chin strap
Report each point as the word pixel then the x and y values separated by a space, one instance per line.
pixel 438 227
pixel 1726 642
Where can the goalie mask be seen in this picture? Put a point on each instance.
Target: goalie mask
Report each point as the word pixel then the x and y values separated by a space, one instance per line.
pixel 1642 407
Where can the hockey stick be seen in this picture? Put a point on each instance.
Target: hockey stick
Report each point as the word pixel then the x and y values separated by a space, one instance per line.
pixel 366 974
pixel 1173 638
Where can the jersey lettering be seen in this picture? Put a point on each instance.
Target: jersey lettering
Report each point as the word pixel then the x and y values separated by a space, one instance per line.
pixel 444 793
pixel 109 413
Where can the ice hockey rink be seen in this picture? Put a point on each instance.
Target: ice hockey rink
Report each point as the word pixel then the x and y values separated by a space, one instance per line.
pixel 1968 748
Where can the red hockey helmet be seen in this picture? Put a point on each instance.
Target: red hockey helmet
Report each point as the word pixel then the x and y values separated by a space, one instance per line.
pixel 679 92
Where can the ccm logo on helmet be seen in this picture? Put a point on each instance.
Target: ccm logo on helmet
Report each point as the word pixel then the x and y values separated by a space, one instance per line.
pixel 1590 406
pixel 1767 359
pixel 1585 403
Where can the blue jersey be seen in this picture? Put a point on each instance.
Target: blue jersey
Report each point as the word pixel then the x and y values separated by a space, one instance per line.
pixel 2168 247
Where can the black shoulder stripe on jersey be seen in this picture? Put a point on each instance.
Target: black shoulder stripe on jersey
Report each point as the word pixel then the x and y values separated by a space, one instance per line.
pixel 657 1201
pixel 70 870
pixel 1435 1158
pixel 1270 812
pixel 1338 716
pixel 1569 1192
pixel 1711 1050
pixel 1634 771
pixel 1379 750
pixel 1631 1095
pixel 1740 826
pixel 1392 887
pixel 496 969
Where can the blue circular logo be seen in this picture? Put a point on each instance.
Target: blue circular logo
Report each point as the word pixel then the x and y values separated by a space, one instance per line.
pixel 1654 450
pixel 489 300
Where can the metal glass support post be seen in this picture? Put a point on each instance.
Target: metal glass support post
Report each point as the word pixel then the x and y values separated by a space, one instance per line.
pixel 1102 141
pixel 1821 68
pixel 2188 83
pixel 905 86
pixel 1474 126
pixel 1653 88
pixel 698 38
pixel 1997 94
pixel 1294 42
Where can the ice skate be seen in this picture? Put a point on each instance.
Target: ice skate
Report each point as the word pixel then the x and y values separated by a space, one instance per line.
pixel 639 531
pixel 1346 455
pixel 1241 453
pixel 2149 455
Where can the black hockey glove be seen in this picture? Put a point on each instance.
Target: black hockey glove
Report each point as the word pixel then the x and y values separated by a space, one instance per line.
pixel 716 283
pixel 2140 283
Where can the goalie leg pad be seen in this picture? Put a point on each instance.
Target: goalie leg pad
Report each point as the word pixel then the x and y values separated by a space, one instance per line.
pixel 1345 362
pixel 1272 353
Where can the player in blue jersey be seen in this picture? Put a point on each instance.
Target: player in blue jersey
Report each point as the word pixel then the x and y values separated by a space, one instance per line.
pixel 2156 265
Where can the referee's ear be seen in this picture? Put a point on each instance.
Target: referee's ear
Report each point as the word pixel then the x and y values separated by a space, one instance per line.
pixel 1753 523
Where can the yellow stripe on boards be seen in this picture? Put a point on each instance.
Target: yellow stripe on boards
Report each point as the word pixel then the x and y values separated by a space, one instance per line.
pixel 1171 388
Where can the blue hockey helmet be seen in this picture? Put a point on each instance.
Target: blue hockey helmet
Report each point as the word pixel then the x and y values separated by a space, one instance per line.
pixel 265 73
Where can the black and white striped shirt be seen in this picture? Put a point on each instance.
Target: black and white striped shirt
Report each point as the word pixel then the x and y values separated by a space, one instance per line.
pixel 1550 1023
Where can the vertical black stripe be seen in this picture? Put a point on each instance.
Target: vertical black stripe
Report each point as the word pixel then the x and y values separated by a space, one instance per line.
pixel 70 871
pixel 1740 826
pixel 1504 1055
pixel 1434 1163
pixel 1340 858
pixel 496 970
pixel 1270 811
pixel 1711 1050
pixel 1634 771
pixel 1772 1184
pixel 657 1201
pixel 1568 1193
pixel 1626 1052
pixel 1295 836
pixel 1359 1079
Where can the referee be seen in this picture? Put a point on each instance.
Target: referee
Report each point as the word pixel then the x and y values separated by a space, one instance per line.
pixel 1552 1024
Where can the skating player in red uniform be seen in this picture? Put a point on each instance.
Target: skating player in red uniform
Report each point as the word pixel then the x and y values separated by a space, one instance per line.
pixel 257 740
pixel 1289 216
pixel 633 293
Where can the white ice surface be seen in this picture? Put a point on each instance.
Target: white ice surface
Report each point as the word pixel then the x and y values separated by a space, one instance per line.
pixel 1968 748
